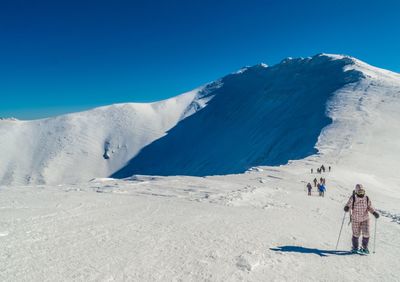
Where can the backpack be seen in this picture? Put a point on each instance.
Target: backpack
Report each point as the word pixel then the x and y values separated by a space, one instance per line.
pixel 354 199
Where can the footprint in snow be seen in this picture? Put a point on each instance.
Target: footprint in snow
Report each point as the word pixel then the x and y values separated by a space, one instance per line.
pixel 262 180
pixel 394 217
pixel 248 261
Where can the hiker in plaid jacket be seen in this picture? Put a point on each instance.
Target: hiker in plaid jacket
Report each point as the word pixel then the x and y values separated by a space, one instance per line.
pixel 360 205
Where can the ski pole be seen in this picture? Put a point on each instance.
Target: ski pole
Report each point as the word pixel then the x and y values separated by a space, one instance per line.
pixel 344 217
pixel 376 220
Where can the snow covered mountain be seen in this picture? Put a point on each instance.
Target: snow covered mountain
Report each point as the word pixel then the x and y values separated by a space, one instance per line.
pixel 80 146
pixel 257 226
pixel 258 116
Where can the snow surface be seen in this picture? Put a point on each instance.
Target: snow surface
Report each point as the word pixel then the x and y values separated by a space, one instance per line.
pixel 255 226
pixel 258 226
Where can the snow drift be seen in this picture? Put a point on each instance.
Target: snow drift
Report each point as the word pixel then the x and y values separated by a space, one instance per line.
pixel 258 116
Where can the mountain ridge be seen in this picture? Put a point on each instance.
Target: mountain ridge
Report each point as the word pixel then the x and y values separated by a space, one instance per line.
pixel 124 139
pixel 271 89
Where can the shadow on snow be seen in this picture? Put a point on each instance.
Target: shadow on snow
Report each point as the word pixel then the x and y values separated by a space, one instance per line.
pixel 303 250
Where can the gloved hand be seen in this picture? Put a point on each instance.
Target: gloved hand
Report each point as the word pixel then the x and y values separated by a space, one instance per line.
pixel 376 214
pixel 346 208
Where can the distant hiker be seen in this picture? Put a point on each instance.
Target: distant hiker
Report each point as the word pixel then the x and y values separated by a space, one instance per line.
pixel 315 182
pixel 312 171
pixel 323 168
pixel 329 168
pixel 309 187
pixel 321 189
pixel 318 170
pixel 321 180
pixel 360 205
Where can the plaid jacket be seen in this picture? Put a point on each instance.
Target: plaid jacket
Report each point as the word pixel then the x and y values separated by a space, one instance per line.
pixel 361 208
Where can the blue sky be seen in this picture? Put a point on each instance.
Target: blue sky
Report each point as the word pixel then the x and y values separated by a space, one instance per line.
pixel 61 56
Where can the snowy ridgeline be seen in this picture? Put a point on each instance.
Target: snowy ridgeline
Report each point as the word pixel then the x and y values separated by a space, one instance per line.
pixel 261 115
pixel 80 146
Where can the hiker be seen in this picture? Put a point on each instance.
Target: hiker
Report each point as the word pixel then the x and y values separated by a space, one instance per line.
pixel 321 190
pixel 360 205
pixel 323 168
pixel 315 182
pixel 329 168
pixel 318 170
pixel 309 187
pixel 321 180
pixel 311 171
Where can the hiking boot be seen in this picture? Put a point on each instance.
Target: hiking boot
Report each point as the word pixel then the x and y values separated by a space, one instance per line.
pixel 354 251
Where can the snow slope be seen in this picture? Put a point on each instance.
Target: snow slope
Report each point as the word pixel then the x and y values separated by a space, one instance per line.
pixel 365 133
pixel 80 146
pixel 258 226
pixel 259 116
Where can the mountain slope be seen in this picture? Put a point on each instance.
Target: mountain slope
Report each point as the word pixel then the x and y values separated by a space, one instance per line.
pixel 260 116
pixel 364 136
pixel 80 146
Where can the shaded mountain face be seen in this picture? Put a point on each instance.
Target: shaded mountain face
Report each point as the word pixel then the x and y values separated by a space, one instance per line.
pixel 259 116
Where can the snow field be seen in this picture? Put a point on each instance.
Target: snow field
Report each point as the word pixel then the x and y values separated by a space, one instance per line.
pixel 256 226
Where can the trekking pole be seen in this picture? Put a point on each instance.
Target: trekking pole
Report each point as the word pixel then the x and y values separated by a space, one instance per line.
pixel 376 220
pixel 344 217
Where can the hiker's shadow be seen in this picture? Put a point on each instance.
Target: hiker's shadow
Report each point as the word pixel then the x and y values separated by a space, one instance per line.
pixel 298 249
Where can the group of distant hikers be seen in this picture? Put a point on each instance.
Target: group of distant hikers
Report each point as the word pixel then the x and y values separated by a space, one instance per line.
pixel 321 169
pixel 359 205
pixel 321 185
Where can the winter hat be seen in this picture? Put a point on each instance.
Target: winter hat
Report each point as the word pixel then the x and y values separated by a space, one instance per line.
pixel 359 189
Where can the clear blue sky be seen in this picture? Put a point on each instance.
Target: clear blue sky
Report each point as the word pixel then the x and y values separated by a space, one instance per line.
pixel 60 56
